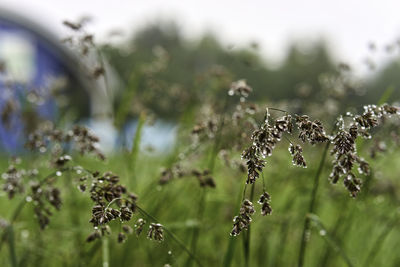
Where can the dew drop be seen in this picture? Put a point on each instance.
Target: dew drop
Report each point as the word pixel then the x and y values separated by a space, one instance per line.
pixel 24 234
pixel 58 173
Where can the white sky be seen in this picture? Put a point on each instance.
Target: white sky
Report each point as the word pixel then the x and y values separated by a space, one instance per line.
pixel 348 25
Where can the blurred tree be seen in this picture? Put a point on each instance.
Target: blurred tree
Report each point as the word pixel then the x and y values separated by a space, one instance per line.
pixel 171 73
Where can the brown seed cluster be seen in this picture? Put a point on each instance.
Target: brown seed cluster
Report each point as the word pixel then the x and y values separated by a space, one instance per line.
pixel 47 136
pixel 139 226
pixel 267 135
pixel 112 201
pixel 240 88
pixel 264 200
pixel 311 131
pixel 264 141
pixel 171 173
pixel 205 179
pixel 243 220
pixel 13 181
pixel 297 153
pixel 104 192
pixel 43 195
pixel 156 232
pixel 205 129
pixel 344 148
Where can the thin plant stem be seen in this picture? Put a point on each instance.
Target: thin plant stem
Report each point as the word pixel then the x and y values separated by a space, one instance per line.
pixel 11 244
pixel 229 254
pixel 311 208
pixel 263 181
pixel 105 247
pixel 211 166
pixel 246 237
pixel 196 231
pixel 378 243
pixel 133 156
pixel 277 109
pixel 172 235
pixel 329 239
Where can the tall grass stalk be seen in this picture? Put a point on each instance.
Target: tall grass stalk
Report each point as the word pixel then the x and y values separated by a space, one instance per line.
pixel 311 208
pixel 105 247
pixel 124 107
pixel 377 245
pixel 343 217
pixel 202 201
pixel 329 239
pixel 247 235
pixel 11 244
pixel 135 150
pixel 232 240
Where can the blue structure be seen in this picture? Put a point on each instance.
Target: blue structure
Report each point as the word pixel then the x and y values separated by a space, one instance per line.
pixel 31 57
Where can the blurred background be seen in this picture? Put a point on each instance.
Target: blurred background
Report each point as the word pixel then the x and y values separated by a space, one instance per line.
pixel 282 49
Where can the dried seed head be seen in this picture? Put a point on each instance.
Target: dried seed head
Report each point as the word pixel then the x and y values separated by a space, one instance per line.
pixel 121 237
pixel 93 236
pixel 352 184
pixel 139 226
pixel 264 200
pixel 240 88
pixel 126 214
pixel 242 221
pixel 156 232
pixel 363 167
pixel 127 229
pixel 297 153
pixel 254 164
pixel 311 131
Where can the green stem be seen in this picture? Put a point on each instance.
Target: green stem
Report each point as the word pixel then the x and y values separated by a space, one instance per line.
pixel 11 243
pixel 378 243
pixel 172 235
pixel 135 150
pixel 329 239
pixel 106 251
pixel 202 202
pixel 311 208
pixel 246 237
pixel 196 230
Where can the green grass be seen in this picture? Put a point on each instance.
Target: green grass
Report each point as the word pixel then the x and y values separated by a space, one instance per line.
pixel 365 229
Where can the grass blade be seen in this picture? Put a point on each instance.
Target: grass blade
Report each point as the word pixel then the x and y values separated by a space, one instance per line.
pixel 329 239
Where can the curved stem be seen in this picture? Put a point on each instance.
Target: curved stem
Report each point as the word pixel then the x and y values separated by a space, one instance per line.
pixel 172 235
pixel 277 109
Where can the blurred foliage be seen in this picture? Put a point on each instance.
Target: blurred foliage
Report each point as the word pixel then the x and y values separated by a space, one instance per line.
pixel 183 81
pixel 167 73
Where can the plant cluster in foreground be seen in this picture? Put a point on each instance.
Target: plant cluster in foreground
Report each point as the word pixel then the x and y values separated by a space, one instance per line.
pixel 343 138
